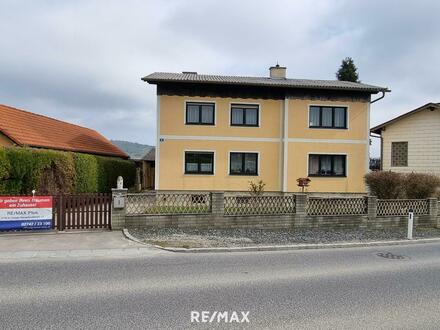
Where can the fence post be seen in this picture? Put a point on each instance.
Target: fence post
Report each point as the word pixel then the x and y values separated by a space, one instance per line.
pixel 299 218
pixel 434 218
pixel 218 203
pixel 61 213
pixel 301 204
pixel 371 210
pixel 119 201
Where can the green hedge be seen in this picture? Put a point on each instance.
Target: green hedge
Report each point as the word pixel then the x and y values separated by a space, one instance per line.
pixel 49 171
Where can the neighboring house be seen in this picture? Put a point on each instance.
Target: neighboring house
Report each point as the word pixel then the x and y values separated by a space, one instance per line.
pixel 411 142
pixel 143 155
pixel 27 129
pixel 220 132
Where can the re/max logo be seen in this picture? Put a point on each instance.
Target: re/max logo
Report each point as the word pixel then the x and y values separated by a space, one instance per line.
pixel 215 316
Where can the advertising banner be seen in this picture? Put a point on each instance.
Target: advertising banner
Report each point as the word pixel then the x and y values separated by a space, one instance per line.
pixel 22 212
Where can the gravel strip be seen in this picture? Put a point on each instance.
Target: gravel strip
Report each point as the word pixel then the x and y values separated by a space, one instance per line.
pixel 194 238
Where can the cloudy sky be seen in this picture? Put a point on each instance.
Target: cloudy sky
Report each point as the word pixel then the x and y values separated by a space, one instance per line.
pixel 82 60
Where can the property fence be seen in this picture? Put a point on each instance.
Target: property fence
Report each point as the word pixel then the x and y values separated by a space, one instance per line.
pixel 83 211
pixel 168 203
pixel 269 211
pixel 336 206
pixel 259 205
pixel 400 207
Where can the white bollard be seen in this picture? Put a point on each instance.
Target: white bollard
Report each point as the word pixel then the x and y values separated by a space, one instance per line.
pixel 410 223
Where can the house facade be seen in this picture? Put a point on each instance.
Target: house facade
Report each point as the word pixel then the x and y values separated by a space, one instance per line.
pixel 411 142
pixel 220 132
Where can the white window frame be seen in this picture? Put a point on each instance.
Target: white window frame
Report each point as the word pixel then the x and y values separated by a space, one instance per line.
pixel 330 154
pixel 333 106
pixel 200 101
pixel 249 152
pixel 199 150
pixel 245 103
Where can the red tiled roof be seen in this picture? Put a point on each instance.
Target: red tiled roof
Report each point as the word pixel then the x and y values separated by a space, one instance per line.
pixel 30 129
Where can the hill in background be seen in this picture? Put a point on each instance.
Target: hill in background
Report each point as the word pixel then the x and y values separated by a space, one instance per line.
pixel 133 149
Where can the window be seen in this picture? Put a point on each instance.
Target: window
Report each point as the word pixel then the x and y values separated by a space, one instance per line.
pixel 244 115
pixel 198 113
pixel 243 163
pixel 327 117
pixel 399 154
pixel 199 162
pixel 327 165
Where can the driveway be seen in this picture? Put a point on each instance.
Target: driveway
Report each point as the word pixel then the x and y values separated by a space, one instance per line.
pixel 51 244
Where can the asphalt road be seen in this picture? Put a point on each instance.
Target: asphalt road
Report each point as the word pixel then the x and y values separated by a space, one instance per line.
pixel 326 289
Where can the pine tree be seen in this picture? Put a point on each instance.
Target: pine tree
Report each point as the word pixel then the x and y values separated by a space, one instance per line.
pixel 348 71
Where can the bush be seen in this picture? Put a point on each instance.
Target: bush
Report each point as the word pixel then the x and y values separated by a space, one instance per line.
pixel 86 178
pixel 110 168
pixel 392 185
pixel 385 185
pixel 53 172
pixel 419 185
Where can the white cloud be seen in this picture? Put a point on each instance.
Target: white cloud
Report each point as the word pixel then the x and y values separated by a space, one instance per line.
pixel 83 60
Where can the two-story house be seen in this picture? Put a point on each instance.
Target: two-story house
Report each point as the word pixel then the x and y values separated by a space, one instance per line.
pixel 220 132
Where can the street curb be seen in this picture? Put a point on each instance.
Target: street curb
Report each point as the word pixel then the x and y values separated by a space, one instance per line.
pixel 134 239
pixel 286 247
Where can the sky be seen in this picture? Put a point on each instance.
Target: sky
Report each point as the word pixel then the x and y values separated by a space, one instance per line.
pixel 82 60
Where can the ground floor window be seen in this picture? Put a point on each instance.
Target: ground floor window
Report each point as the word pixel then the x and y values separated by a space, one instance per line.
pixel 243 163
pixel 199 162
pixel 327 165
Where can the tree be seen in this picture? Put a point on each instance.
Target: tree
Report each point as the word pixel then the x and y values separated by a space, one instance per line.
pixel 348 71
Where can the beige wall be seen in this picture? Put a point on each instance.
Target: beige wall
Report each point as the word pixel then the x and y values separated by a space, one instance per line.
pixel 5 141
pixel 176 137
pixel 422 132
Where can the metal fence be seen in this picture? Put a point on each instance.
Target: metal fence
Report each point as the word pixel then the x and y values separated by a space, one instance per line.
pixel 336 206
pixel 168 203
pixel 259 205
pixel 400 207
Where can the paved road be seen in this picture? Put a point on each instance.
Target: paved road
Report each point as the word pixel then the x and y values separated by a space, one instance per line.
pixel 339 288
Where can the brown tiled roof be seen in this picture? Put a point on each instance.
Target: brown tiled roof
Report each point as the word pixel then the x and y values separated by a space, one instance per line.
pixel 378 129
pixel 192 77
pixel 30 129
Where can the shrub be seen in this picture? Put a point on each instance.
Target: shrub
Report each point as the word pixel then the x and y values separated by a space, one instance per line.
pixel 257 188
pixel 385 185
pixel 86 178
pixel 420 185
pixel 53 172
pixel 110 168
pixel 389 185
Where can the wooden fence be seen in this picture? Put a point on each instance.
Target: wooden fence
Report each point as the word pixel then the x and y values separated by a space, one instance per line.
pixel 84 211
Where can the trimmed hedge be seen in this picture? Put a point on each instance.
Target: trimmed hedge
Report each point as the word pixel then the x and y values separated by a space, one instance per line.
pixel 52 172
pixel 392 185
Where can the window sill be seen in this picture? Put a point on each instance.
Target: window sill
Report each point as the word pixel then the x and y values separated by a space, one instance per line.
pixel 244 174
pixel 338 128
pixel 326 176
pixel 198 124
pixel 198 173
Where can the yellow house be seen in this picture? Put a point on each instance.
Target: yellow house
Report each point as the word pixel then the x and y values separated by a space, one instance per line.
pixel 220 132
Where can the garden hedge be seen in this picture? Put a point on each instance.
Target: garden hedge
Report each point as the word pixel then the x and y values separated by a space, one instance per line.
pixel 52 172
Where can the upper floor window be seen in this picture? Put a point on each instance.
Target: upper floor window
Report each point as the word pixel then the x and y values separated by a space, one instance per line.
pixel 243 163
pixel 200 113
pixel 327 117
pixel 199 162
pixel 244 115
pixel 399 154
pixel 327 165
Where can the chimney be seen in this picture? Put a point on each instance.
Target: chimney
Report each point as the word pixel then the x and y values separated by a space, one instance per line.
pixel 278 72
